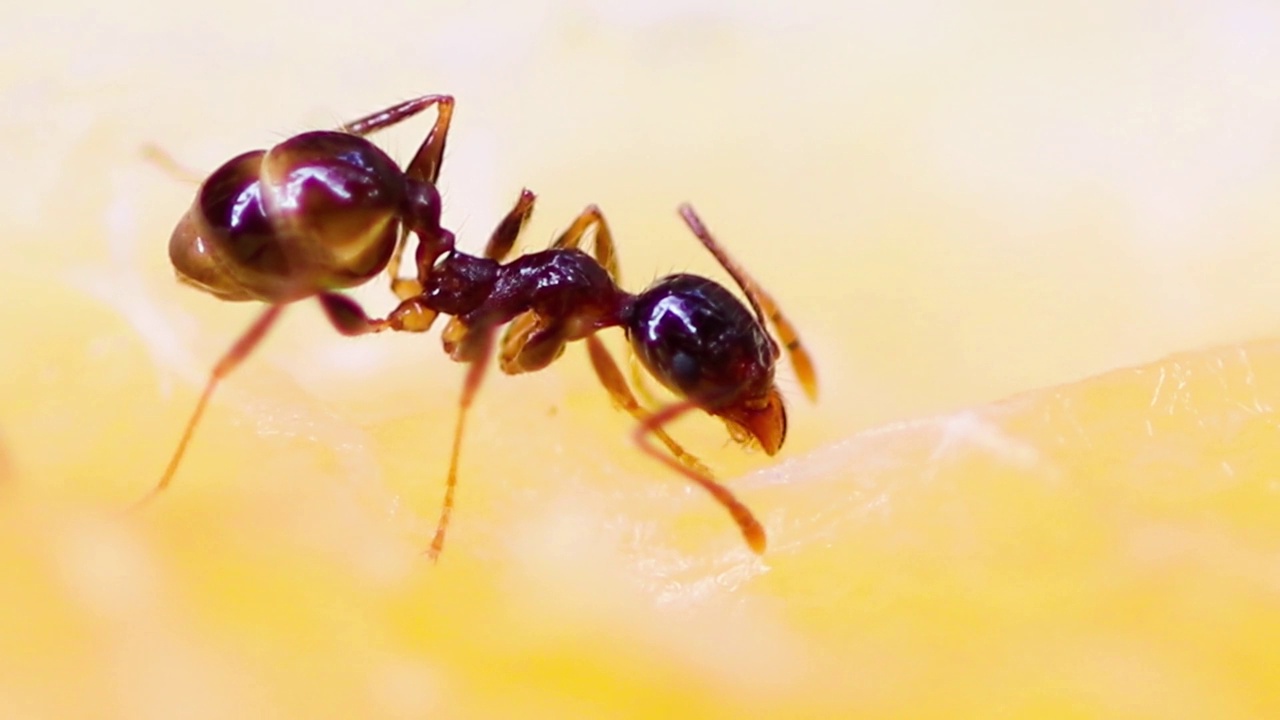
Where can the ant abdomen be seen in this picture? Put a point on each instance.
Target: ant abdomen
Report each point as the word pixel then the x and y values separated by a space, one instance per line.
pixel 225 234
pixel 336 196
pixel 702 343
pixel 323 206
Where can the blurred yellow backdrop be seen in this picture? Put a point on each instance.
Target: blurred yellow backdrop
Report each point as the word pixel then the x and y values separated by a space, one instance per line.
pixel 955 202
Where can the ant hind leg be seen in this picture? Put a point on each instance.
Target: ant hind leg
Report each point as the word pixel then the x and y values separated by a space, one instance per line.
pixel 426 162
pixel 424 167
pixel 171 166
pixel 229 361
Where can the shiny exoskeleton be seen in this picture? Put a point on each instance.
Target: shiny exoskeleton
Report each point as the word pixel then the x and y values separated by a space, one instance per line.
pixel 701 343
pixel 325 211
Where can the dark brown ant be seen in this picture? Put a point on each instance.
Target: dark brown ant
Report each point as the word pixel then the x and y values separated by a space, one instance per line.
pixel 689 332
pixel 327 210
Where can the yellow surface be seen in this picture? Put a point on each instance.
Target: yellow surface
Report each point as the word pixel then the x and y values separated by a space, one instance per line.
pixel 955 203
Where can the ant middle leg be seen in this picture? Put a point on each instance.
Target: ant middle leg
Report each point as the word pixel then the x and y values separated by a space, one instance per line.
pixel 763 303
pixel 508 231
pixel 529 344
pixel 605 251
pixel 473 345
pixel 752 531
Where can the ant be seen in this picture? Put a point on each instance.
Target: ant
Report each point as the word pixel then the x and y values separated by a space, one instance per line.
pixel 328 210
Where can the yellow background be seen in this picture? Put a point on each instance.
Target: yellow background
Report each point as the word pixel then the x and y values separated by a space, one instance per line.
pixel 955 202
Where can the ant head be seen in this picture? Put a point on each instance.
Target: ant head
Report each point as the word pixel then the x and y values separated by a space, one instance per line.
pixel 317 212
pixel 702 343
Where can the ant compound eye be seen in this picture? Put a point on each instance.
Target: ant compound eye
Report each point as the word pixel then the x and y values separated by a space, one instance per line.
pixel 684 369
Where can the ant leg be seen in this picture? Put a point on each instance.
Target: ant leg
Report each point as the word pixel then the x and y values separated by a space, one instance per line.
pixel 530 344
pixel 527 324
pixel 605 252
pixel 500 243
pixel 425 165
pixel 761 301
pixel 751 529
pixel 349 319
pixel 607 255
pixel 508 231
pixel 526 331
pixel 170 166
pixel 233 357
pixel 638 378
pixel 607 370
pixel 475 345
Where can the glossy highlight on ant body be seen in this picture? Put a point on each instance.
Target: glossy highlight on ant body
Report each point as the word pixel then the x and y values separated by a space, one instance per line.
pixel 327 210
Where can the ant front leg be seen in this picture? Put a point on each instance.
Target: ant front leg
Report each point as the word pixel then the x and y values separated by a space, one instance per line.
pixel 232 359
pixel 761 301
pixel 531 343
pixel 607 370
pixel 522 335
pixel 752 530
pixel 638 377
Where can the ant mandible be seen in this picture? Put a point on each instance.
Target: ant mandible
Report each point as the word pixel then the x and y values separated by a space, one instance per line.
pixel 327 210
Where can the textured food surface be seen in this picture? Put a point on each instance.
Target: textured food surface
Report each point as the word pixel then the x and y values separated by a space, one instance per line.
pixel 1032 250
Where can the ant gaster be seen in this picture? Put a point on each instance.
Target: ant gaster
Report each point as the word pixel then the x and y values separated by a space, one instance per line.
pixel 327 210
